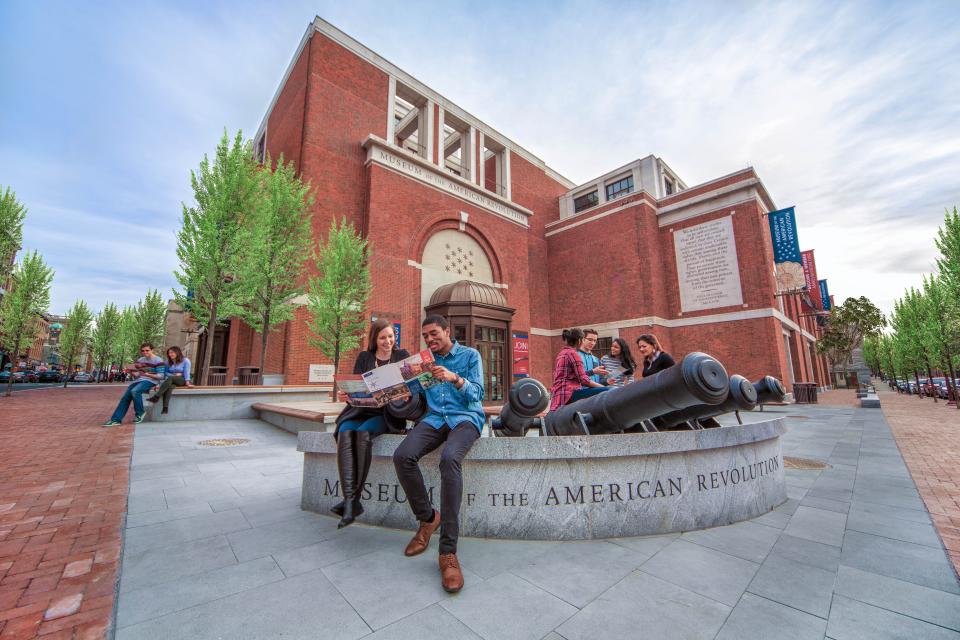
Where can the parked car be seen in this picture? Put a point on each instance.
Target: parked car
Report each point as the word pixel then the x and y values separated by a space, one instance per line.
pixel 5 376
pixel 81 376
pixel 49 376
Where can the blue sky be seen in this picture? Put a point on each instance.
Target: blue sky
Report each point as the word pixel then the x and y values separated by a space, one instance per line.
pixel 850 112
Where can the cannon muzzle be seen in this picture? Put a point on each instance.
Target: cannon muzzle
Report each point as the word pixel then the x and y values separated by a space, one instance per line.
pixel 769 389
pixel 527 399
pixel 412 408
pixel 697 379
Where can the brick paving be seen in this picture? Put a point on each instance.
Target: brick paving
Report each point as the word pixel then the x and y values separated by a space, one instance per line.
pixel 928 435
pixel 63 494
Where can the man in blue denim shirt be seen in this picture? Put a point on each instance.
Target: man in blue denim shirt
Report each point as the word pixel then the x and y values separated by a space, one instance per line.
pixel 454 420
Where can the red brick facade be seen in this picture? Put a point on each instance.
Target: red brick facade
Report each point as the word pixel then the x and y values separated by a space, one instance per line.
pixel 612 267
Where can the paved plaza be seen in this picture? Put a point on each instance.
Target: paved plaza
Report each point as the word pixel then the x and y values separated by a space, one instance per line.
pixel 215 546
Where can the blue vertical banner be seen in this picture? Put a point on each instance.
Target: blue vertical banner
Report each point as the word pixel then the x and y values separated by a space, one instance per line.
pixel 786 250
pixel 825 295
pixel 396 333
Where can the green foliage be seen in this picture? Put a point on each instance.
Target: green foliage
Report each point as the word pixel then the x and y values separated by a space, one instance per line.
pixel 940 332
pixel 127 345
pixel 105 335
pixel 948 263
pixel 907 322
pixel 75 336
pixel 338 295
pixel 225 192
pixel 871 352
pixel 12 214
pixel 29 296
pixel 150 315
pixel 847 326
pixel 275 241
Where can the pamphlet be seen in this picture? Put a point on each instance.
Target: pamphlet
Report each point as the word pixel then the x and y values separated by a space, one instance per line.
pixel 394 381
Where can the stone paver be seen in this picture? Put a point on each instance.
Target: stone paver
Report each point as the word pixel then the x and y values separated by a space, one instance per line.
pixel 928 434
pixel 63 492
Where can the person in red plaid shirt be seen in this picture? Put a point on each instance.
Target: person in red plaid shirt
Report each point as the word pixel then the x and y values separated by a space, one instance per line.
pixel 568 373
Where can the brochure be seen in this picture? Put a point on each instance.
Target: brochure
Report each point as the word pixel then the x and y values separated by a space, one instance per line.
pixel 394 381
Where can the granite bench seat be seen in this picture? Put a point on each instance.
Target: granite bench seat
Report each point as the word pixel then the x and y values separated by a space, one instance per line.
pixel 577 487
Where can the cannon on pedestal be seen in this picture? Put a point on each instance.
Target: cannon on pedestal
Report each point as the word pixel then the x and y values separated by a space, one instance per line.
pixel 689 395
pixel 697 379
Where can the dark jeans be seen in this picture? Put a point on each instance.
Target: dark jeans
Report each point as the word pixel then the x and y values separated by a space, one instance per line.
pixel 375 425
pixel 586 392
pixel 166 388
pixel 420 441
pixel 133 393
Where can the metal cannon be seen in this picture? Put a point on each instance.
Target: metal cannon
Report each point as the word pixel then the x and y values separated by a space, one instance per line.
pixel 697 379
pixel 698 386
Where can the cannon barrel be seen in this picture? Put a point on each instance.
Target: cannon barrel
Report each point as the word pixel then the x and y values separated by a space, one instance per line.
pixel 412 408
pixel 527 398
pixel 697 379
pixel 769 389
pixel 742 397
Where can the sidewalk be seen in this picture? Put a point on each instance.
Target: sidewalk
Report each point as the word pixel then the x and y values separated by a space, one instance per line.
pixel 63 487
pixel 217 547
pixel 929 438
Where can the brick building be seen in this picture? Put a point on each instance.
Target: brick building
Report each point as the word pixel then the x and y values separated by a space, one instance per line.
pixel 463 220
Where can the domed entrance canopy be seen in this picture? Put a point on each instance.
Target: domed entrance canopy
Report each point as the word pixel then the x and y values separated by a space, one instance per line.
pixel 480 318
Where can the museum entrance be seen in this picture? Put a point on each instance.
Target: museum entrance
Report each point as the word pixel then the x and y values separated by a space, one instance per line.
pixel 480 318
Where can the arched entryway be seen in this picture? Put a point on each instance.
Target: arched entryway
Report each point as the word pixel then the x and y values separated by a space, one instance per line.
pixel 480 318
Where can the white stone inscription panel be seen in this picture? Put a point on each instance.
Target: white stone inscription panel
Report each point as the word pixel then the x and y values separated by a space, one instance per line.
pixel 708 272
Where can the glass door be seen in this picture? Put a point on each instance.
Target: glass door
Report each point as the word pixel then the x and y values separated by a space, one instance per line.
pixel 491 342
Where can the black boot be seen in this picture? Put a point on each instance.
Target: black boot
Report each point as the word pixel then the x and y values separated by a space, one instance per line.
pixel 346 463
pixel 364 455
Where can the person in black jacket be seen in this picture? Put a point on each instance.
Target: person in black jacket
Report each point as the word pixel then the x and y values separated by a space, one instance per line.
pixel 654 358
pixel 358 426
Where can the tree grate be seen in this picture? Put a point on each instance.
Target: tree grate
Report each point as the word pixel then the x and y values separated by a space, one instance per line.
pixel 223 442
pixel 789 462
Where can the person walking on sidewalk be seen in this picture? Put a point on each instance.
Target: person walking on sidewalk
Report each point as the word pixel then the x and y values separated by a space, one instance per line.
pixel 177 375
pixel 148 371
pixel 454 420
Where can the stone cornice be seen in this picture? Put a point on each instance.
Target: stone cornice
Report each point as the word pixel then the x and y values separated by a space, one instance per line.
pixel 410 165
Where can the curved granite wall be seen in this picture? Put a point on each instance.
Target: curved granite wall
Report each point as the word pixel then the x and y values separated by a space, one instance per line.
pixel 577 487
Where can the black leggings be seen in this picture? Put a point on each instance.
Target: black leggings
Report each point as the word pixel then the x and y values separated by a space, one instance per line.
pixel 166 388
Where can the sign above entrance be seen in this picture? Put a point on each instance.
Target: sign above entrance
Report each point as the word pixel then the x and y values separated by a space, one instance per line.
pixel 410 165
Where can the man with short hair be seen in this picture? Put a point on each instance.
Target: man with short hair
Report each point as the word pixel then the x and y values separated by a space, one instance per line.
pixel 147 371
pixel 454 420
pixel 591 364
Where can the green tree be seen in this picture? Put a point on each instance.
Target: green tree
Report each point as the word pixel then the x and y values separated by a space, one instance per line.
pixel 12 214
pixel 871 353
pixel 276 239
pixel 105 335
pixel 29 296
pixel 225 192
pixel 941 331
pixel 127 346
pixel 75 336
pixel 948 263
pixel 338 295
pixel 847 326
pixel 908 328
pixel 150 320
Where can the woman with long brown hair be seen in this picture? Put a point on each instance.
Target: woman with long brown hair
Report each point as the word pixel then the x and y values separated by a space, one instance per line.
pixel 654 358
pixel 358 426
pixel 177 375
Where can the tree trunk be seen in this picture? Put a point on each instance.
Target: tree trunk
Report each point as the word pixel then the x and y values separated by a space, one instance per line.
pixel 208 347
pixel 336 367
pixel 263 343
pixel 66 379
pixel 916 377
pixel 930 381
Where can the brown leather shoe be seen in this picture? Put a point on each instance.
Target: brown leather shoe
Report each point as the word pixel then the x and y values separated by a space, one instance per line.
pixel 450 573
pixel 421 539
